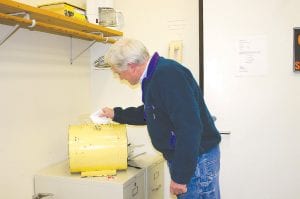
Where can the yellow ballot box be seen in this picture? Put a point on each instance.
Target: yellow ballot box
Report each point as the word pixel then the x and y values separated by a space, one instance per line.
pixel 97 150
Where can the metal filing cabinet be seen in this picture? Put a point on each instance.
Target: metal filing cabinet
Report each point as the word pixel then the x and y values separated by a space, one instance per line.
pixel 57 180
pixel 132 183
pixel 154 175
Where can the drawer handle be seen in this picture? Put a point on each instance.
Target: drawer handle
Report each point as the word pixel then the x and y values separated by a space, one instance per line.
pixel 134 191
pixel 156 175
pixel 156 188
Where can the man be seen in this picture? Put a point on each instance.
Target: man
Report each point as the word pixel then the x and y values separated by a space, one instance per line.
pixel 178 121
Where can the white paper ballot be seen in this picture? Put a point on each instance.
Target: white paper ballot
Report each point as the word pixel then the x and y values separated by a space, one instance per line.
pixel 95 117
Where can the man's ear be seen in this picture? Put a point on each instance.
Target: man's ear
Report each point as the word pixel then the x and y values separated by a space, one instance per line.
pixel 132 68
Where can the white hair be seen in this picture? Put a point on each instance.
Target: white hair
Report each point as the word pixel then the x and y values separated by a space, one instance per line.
pixel 126 51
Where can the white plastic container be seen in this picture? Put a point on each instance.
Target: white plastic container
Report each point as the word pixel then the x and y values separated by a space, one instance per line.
pixel 92 9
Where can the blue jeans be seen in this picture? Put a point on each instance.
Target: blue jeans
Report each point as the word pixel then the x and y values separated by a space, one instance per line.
pixel 204 184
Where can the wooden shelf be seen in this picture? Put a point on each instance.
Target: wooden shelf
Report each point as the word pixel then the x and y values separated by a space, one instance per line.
pixel 47 21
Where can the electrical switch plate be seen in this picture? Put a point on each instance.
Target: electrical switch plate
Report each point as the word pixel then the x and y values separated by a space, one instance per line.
pixel 175 50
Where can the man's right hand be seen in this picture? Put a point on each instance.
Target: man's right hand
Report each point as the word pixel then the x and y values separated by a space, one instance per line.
pixel 107 112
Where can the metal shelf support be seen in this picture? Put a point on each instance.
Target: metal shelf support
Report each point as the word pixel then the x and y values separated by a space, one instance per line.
pixel 16 27
pixel 72 58
pixel 9 33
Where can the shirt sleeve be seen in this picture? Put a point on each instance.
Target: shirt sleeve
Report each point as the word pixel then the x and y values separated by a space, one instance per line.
pixel 177 93
pixel 130 115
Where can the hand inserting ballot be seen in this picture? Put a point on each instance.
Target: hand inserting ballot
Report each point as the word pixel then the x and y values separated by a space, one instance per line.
pixel 107 112
pixel 98 119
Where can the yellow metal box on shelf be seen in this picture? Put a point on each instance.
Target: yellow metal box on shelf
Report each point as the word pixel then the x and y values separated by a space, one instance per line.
pixel 97 150
pixel 65 9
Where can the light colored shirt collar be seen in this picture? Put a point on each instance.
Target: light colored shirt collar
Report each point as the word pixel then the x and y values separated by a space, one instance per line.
pixel 145 71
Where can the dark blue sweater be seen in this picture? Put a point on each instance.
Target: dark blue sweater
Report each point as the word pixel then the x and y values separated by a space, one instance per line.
pixel 173 104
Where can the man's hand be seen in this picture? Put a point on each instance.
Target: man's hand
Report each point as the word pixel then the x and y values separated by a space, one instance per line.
pixel 107 112
pixel 177 189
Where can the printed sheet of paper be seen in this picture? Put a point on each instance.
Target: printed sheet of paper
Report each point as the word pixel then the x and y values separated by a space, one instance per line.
pixel 252 56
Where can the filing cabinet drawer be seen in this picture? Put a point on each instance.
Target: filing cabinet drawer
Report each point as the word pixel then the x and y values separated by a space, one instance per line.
pixel 136 188
pixel 155 181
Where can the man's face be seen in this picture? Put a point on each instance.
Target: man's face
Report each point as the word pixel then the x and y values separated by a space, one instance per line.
pixel 128 74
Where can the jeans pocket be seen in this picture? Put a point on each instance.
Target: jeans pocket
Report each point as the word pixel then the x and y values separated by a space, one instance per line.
pixel 208 167
pixel 205 182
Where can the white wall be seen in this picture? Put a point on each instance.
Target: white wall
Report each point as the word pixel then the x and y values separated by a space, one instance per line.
pixel 261 157
pixel 41 94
